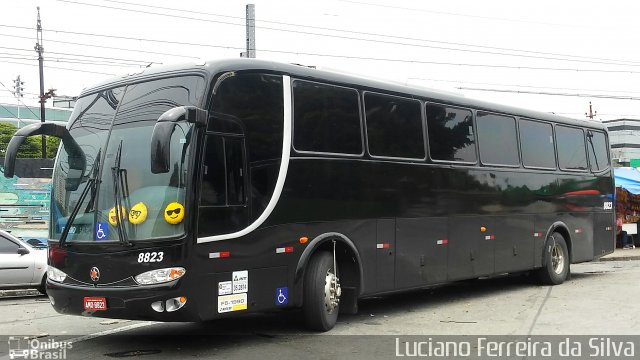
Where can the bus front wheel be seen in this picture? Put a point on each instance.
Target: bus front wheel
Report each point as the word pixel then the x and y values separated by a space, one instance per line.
pixel 321 293
pixel 556 261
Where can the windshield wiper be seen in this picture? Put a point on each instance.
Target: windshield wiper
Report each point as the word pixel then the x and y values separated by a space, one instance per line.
pixel 119 182
pixel 91 185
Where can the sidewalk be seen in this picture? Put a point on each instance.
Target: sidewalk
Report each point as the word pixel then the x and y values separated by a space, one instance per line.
pixel 622 254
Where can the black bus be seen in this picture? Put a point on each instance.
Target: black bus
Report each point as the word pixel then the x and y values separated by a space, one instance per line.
pixel 206 191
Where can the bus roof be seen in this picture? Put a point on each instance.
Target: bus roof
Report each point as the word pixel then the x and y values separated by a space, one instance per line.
pixel 211 68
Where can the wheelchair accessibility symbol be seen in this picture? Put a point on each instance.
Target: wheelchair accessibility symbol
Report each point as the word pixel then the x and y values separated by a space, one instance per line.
pixel 282 297
pixel 101 231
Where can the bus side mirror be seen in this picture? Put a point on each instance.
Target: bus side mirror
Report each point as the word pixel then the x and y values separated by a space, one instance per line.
pixel 163 129
pixel 77 159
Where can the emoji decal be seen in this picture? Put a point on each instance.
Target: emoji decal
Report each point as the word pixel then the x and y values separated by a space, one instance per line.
pixel 174 213
pixel 138 213
pixel 113 219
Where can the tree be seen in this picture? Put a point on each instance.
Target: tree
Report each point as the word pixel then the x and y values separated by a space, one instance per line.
pixel 31 148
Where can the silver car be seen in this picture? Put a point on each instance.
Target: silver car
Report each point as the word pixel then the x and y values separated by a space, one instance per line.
pixel 21 265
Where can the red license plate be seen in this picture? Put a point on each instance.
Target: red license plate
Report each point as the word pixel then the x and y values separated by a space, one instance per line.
pixel 95 303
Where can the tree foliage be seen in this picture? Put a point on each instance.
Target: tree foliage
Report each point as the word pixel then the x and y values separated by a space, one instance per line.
pixel 31 148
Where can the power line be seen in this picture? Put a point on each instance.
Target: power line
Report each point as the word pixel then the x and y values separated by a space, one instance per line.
pixel 102 47
pixel 20 101
pixel 59 68
pixel 452 14
pixel 599 96
pixel 617 61
pixel 523 86
pixel 377 41
pixel 352 57
pixel 74 60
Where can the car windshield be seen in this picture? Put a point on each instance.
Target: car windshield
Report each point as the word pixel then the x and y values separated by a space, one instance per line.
pixel 114 129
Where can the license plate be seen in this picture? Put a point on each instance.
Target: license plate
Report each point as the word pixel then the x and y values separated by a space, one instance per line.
pixel 95 303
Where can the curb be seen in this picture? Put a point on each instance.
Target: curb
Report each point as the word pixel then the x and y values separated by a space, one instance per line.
pixel 620 258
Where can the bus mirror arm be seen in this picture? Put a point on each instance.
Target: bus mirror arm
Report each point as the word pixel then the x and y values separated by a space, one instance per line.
pixel 77 160
pixel 163 129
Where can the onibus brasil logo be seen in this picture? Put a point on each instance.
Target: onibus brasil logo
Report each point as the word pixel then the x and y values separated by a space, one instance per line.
pixel 30 348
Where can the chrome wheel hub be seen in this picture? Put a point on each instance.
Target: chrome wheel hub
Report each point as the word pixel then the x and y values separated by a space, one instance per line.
pixel 557 259
pixel 332 292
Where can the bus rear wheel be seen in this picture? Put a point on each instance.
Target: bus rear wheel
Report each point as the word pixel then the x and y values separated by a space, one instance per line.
pixel 321 293
pixel 556 260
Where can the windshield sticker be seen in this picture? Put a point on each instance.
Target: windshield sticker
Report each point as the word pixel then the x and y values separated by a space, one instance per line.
pixel 113 219
pixel 174 213
pixel 102 231
pixel 138 213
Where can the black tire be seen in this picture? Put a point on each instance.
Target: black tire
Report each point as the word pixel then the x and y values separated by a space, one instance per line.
pixel 43 285
pixel 316 315
pixel 556 261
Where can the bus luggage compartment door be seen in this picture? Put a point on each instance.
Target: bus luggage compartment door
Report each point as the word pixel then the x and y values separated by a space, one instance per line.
pixel 421 256
pixel 471 249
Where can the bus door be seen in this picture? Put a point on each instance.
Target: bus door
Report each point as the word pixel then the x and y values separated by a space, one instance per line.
pixel 223 198
pixel 471 247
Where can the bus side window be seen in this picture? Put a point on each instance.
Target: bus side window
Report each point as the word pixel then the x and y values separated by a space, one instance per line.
pixel 451 135
pixel 536 140
pixel 497 139
pixel 223 172
pixel 326 119
pixel 597 149
pixel 394 126
pixel 571 149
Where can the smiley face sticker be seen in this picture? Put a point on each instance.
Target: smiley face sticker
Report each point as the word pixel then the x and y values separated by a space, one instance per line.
pixel 174 213
pixel 113 219
pixel 138 213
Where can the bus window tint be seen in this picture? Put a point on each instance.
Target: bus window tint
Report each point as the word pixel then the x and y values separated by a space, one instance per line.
pixel 326 118
pixel 213 191
pixel 450 134
pixel 571 152
pixel 536 140
pixel 597 148
pixel 497 139
pixel 394 126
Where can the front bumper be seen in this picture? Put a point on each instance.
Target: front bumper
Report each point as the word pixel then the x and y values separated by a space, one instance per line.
pixel 133 303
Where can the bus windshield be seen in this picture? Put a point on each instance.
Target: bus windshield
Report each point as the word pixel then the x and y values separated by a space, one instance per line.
pixel 114 129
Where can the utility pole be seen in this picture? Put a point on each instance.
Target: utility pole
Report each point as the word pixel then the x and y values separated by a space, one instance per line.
pixel 251 31
pixel 40 49
pixel 18 94
pixel 591 113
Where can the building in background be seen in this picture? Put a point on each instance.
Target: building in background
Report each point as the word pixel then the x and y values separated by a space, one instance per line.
pixel 25 115
pixel 624 138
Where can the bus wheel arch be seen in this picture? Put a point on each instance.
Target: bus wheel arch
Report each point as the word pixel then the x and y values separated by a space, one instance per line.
pixel 561 228
pixel 348 263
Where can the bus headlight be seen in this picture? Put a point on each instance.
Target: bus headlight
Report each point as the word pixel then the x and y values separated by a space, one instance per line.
pixel 160 276
pixel 55 275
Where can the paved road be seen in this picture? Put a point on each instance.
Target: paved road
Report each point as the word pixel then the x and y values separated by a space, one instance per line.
pixel 598 300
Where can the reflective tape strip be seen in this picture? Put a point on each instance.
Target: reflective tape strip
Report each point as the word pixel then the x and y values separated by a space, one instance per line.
pixel 442 242
pixel 382 246
pixel 537 234
pixel 221 254
pixel 489 237
pixel 288 249
pixel 609 228
pixel 578 231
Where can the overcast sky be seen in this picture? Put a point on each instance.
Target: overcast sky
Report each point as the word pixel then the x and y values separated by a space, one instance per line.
pixel 500 51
